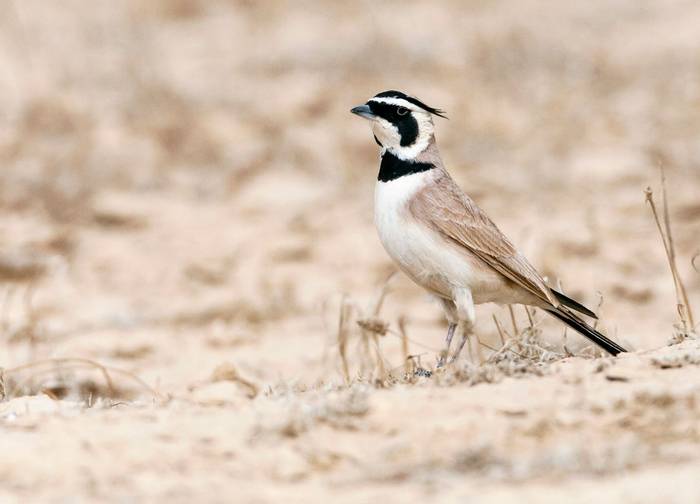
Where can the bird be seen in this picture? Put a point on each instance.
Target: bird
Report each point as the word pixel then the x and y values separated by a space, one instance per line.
pixel 440 238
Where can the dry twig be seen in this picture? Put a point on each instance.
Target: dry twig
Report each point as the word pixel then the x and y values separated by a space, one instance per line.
pixel 683 305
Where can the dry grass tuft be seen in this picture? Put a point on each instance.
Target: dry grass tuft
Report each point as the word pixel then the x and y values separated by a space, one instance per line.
pixel 522 353
pixel 525 343
pixel 686 326
pixel 371 329
pixel 58 379
pixel 523 350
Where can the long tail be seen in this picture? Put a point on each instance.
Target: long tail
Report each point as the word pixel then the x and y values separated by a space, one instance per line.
pixel 573 304
pixel 584 329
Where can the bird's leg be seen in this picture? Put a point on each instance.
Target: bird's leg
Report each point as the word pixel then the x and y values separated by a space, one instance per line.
pixel 466 332
pixel 448 305
pixel 448 341
pixel 467 315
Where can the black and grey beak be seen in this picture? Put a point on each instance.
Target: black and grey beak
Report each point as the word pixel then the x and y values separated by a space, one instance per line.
pixel 363 111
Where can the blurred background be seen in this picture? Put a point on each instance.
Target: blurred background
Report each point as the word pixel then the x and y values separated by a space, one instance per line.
pixel 182 182
pixel 185 197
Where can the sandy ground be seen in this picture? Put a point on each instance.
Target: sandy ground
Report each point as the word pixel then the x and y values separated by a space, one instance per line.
pixel 185 199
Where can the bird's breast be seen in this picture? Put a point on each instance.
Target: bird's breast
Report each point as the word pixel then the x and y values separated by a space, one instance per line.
pixel 395 225
pixel 410 243
pixel 421 252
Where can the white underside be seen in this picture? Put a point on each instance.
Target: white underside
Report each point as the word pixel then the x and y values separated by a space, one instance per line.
pixel 416 249
pixel 424 255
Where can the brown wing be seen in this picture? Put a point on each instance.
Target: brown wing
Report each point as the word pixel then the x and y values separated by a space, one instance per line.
pixel 457 217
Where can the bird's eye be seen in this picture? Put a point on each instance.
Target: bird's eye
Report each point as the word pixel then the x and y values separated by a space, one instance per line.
pixel 402 111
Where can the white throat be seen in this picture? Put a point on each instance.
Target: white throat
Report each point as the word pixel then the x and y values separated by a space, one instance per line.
pixel 411 151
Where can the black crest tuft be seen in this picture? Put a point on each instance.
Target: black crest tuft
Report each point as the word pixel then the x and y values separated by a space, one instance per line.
pixel 411 99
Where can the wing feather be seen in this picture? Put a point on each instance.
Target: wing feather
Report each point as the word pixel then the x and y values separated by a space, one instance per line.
pixel 457 217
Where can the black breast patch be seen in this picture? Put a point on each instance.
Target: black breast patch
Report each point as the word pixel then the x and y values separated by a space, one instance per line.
pixel 392 167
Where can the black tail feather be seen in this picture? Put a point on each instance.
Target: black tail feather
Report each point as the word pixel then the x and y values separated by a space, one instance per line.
pixel 584 329
pixel 574 305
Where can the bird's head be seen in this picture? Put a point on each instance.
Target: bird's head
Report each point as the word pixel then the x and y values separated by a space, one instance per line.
pixel 401 124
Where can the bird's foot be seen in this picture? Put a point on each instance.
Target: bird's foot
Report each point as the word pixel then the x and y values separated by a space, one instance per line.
pixel 441 360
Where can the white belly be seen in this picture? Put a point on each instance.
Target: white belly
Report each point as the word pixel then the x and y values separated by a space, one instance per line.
pixel 417 250
pixel 437 265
